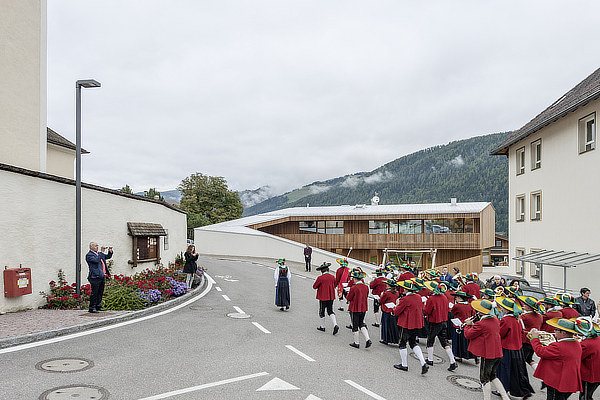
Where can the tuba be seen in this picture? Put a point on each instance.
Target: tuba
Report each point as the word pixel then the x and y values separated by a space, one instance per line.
pixel 545 337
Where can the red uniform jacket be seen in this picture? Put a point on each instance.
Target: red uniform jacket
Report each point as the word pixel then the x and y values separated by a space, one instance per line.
pixel 484 336
pixel 325 285
pixel 424 292
pixel 511 333
pixel 339 273
pixel 473 289
pixel 462 311
pixel 410 312
pixel 378 286
pixel 405 276
pixel 448 294
pixel 590 360
pixel 547 316
pixel 531 320
pixel 388 297
pixel 559 365
pixel 357 296
pixel 436 308
pixel 568 313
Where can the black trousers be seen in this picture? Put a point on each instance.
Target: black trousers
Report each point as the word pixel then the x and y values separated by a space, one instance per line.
pixel 407 335
pixel 588 390
pixel 553 394
pixel 375 305
pixel 97 285
pixel 437 330
pixel 528 353
pixel 358 321
pixel 307 260
pixel 487 369
pixel 325 305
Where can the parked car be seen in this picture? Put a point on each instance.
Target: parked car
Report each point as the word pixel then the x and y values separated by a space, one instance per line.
pixel 526 288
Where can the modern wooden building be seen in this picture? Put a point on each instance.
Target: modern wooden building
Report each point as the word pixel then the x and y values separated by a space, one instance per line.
pixel 430 234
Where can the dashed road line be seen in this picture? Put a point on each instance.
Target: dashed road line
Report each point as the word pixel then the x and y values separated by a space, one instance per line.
pixel 218 289
pixel 301 354
pixel 205 386
pixel 239 310
pixel 364 390
pixel 226 297
pixel 259 326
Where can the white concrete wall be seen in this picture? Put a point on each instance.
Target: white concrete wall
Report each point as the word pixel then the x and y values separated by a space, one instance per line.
pixel 61 161
pixel 37 217
pixel 23 88
pixel 259 244
pixel 570 185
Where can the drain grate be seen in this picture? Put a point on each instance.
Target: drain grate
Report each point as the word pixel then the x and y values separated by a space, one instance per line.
pixel 64 365
pixel 436 359
pixel 236 315
pixel 465 382
pixel 80 392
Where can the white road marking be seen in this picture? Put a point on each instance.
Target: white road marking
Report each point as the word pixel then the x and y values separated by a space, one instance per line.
pixel 226 297
pixel 301 354
pixel 300 276
pixel 218 289
pixel 205 386
pixel 277 384
pixel 364 390
pixel 312 397
pixel 107 327
pixel 211 280
pixel 239 310
pixel 259 326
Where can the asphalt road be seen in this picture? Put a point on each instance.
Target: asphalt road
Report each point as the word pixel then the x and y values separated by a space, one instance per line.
pixel 198 351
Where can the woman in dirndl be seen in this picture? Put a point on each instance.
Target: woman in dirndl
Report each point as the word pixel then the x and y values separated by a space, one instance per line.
pixel 462 310
pixel 282 285
pixel 389 322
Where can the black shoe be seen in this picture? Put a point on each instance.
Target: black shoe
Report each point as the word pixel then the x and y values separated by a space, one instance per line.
pixel 341 308
pixel 458 359
pixel 99 309
pixel 93 311
pixel 543 386
pixel 349 326
pixel 320 328
pixel 336 329
pixel 369 343
pixel 376 325
pixel 356 346
pixel 287 308
pixel 495 392
pixel 281 309
pixel 476 360
pixel 429 362
pixel 400 367
pixel 383 342
pixel 424 369
pixel 452 367
pixel 417 340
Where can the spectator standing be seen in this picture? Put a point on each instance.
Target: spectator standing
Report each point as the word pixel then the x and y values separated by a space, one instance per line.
pixel 446 277
pixel 585 306
pixel 98 268
pixel 307 256
pixel 190 266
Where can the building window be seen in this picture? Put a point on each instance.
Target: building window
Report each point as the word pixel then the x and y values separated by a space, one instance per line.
pixel 146 243
pixel 469 225
pixel 308 226
pixel 521 161
pixel 520 267
pixel 536 154
pixel 410 226
pixel 378 227
pixel 536 206
pixel 334 227
pixel 166 240
pixel 534 269
pixel 498 243
pixel 520 208
pixel 320 226
pixel 587 133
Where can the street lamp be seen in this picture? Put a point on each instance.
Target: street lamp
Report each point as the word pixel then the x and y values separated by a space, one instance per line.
pixel 86 83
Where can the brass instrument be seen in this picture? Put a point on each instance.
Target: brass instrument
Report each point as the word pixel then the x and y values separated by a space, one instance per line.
pixel 459 278
pixel 545 337
pixel 499 291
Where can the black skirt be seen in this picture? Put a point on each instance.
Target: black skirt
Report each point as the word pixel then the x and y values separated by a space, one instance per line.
pixel 460 345
pixel 389 327
pixel 282 294
pixel 512 372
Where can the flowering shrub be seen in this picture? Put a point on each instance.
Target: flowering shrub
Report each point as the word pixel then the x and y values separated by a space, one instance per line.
pixel 64 296
pixel 150 297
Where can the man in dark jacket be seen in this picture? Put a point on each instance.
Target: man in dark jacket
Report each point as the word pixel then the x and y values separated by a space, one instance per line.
pixel 98 267
pixel 584 305
pixel 307 256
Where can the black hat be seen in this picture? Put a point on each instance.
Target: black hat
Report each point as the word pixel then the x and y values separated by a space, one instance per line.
pixel 323 267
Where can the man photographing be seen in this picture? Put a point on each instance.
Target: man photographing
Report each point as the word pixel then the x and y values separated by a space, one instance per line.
pixel 96 261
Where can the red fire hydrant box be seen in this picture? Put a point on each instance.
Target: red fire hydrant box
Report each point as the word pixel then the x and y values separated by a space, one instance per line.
pixel 17 282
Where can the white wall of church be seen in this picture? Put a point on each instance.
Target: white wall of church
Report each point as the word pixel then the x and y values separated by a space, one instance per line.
pixel 61 161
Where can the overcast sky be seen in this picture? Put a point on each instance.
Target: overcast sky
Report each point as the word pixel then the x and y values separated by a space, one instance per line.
pixel 284 93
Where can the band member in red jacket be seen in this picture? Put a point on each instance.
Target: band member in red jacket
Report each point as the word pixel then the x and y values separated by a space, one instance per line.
pixel 512 370
pixel 342 276
pixel 560 361
pixel 377 286
pixel 590 358
pixel 389 322
pixel 471 287
pixel 436 311
pixel 553 310
pixel 462 310
pixel 409 310
pixel 567 302
pixel 325 285
pixel 357 296
pixel 531 318
pixel 483 332
pixel 406 274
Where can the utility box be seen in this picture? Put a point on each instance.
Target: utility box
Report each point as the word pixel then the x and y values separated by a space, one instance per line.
pixel 17 282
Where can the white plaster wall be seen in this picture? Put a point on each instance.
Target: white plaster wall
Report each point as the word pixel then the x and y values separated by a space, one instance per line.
pixel 262 245
pixel 61 161
pixel 23 88
pixel 37 217
pixel 570 185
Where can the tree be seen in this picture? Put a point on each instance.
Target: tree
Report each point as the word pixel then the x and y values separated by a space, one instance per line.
pixel 208 200
pixel 153 192
pixel 126 189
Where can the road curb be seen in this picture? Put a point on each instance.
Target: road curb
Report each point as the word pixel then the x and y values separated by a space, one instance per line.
pixel 38 336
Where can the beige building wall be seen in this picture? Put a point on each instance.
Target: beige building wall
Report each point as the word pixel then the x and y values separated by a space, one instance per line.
pixel 38 231
pixel 23 89
pixel 570 187
pixel 60 161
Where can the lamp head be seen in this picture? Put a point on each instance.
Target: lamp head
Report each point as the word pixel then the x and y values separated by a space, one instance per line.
pixel 87 83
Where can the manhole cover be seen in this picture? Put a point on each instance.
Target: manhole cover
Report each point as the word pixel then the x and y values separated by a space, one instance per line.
pixel 236 315
pixel 436 359
pixel 64 365
pixel 200 308
pixel 465 382
pixel 79 392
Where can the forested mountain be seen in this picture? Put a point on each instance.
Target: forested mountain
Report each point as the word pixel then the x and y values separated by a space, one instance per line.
pixel 462 169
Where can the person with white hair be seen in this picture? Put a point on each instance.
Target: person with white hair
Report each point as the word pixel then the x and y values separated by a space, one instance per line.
pixel 98 268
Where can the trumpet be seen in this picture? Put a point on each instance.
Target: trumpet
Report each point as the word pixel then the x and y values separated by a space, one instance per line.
pixel 459 278
pixel 545 337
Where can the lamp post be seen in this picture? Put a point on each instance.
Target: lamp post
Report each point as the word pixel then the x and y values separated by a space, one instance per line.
pixel 86 83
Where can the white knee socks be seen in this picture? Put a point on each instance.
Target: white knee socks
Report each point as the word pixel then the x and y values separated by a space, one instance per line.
pixel 430 353
pixel 403 357
pixel 419 354
pixel 377 318
pixel 332 316
pixel 365 333
pixel 450 355
pixel 487 391
pixel 356 337
pixel 500 389
pixel 323 322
